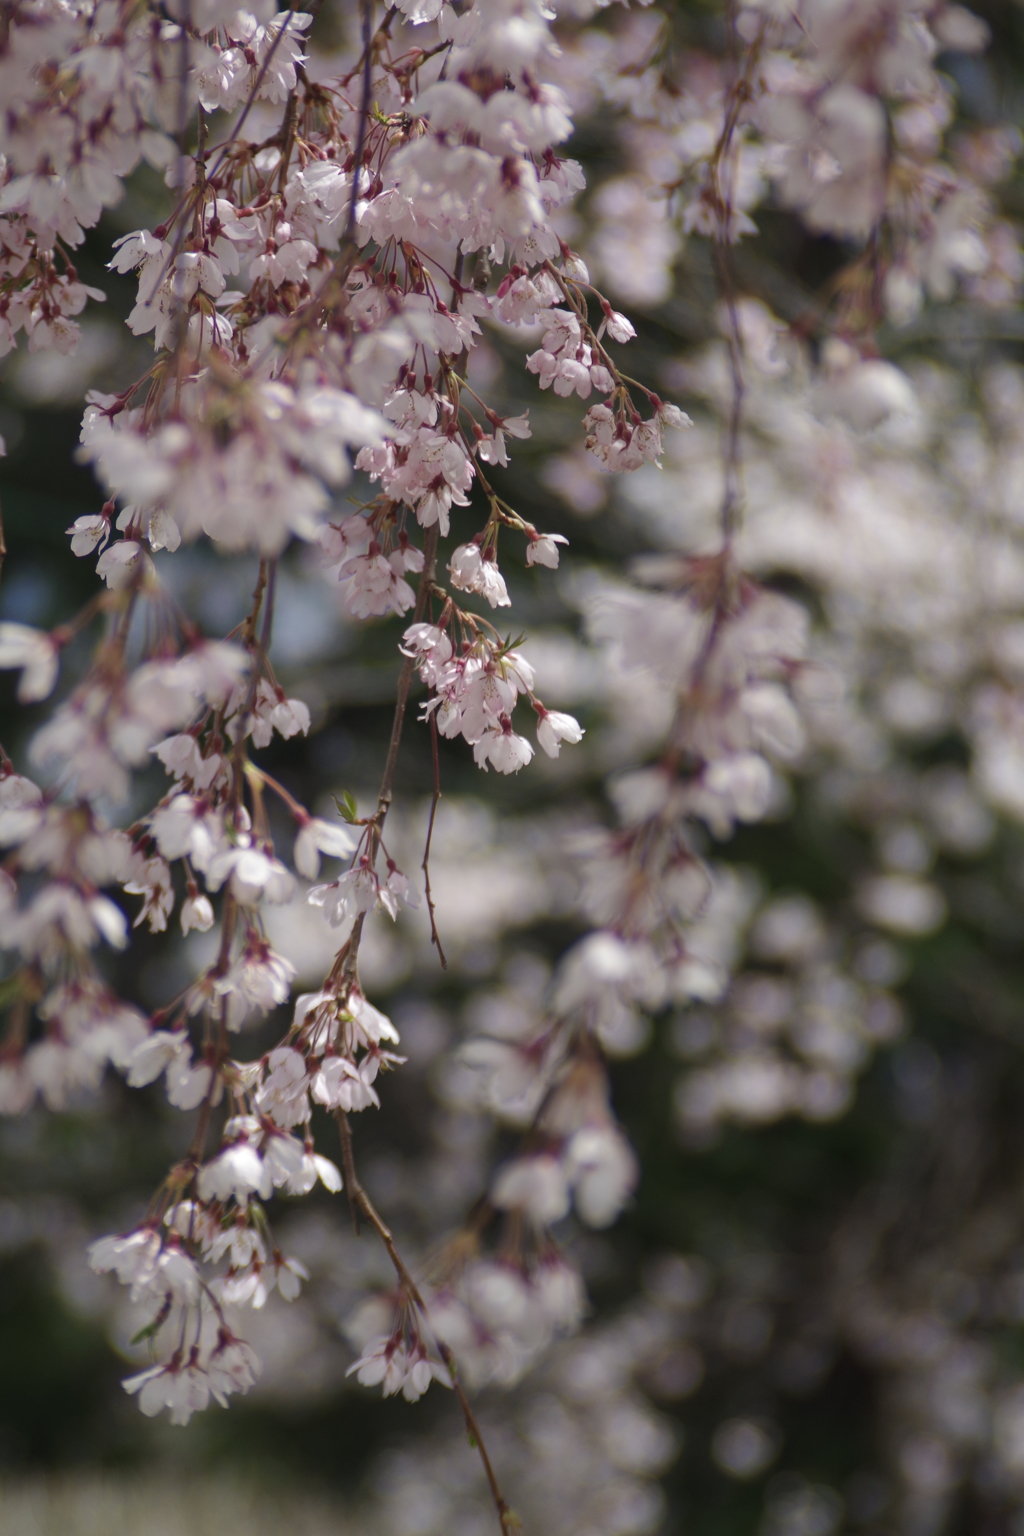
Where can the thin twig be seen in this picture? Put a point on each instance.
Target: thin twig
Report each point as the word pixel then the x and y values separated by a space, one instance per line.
pixel 349 1168
pixel 268 617
pixel 364 109
pixel 722 190
pixel 251 99
pixel 348 957
pixel 732 457
pixel 360 1203
pixel 348 249
pixel 290 114
pixel 511 1525
pixel 210 175
pixel 405 678
pixel 249 639
pixel 435 937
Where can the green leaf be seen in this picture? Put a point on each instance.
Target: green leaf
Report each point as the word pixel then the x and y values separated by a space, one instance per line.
pixel 150 1330
pixel 347 808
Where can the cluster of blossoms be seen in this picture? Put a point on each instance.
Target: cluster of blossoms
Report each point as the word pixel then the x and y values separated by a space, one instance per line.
pixel 918 571
pixel 332 1055
pixel 843 120
pixel 580 1436
pixel 718 678
pixel 724 660
pixel 310 296
pixel 695 1336
pixel 473 693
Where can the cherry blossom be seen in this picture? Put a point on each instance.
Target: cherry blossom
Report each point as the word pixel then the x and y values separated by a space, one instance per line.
pixel 35 654
pixel 396 1367
pixel 554 728
pixel 475 570
pixel 542 549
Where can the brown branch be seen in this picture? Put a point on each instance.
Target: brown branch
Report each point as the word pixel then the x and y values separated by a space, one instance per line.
pixel 348 249
pixel 208 176
pixel 345 964
pixel 511 1525
pixel 364 108
pixel 251 98
pixel 348 1165
pixel 732 454
pixel 740 93
pixel 435 937
pixel 288 130
pixel 405 678
pixel 263 592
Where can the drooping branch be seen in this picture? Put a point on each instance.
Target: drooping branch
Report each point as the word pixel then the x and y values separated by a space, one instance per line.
pixel 347 961
pixel 511 1525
